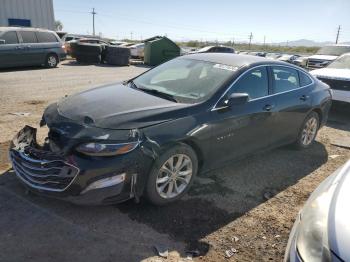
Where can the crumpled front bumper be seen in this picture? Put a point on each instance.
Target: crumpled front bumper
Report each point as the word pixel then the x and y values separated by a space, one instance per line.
pixel 68 177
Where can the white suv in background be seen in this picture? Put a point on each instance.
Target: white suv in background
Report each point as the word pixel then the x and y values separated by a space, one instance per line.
pixel 337 76
pixel 326 55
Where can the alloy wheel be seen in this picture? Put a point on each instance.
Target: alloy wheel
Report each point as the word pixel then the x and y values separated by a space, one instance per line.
pixel 309 131
pixel 174 176
pixel 52 61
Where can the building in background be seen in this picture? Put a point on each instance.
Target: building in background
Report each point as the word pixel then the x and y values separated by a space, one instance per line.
pixel 29 13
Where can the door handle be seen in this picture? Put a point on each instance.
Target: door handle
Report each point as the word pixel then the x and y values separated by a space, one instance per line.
pixel 304 97
pixel 268 107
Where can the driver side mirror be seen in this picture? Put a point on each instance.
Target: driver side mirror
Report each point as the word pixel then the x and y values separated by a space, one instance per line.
pixel 237 99
pixel 2 41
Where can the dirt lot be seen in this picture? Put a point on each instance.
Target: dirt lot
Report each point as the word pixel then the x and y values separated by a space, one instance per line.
pixel 226 208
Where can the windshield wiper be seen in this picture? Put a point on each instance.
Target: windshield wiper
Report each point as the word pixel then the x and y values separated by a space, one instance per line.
pixel 158 93
pixel 151 91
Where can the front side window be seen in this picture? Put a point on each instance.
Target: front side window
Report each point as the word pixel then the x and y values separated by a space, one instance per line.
pixel 46 37
pixel 285 79
pixel 10 37
pixel 28 37
pixel 254 83
pixel 187 80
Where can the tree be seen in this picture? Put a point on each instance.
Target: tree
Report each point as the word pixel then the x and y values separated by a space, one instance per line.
pixel 58 25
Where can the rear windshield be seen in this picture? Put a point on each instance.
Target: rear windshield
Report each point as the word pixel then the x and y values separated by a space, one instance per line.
pixel 333 50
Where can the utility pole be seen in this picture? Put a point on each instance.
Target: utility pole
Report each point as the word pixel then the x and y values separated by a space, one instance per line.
pixel 250 39
pixel 336 40
pixel 233 41
pixel 93 21
pixel 131 35
pixel 264 42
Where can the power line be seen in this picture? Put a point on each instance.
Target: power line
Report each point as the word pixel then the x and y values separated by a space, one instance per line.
pixel 336 40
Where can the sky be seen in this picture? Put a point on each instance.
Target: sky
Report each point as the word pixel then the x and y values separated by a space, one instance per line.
pixel 205 20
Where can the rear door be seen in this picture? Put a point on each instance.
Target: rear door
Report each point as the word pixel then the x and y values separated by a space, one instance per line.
pixel 10 50
pixel 245 128
pixel 31 51
pixel 47 42
pixel 291 89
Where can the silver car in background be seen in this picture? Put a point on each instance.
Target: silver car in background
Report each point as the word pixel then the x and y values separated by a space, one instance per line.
pixel 321 231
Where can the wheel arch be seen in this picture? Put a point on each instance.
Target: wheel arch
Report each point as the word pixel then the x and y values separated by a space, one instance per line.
pixel 319 113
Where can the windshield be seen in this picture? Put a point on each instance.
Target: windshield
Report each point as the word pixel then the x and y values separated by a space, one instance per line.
pixel 187 80
pixel 333 50
pixel 342 62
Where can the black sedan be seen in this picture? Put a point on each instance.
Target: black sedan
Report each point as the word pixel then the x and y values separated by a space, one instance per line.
pixel 151 135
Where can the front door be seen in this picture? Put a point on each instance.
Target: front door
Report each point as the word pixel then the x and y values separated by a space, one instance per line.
pixel 242 129
pixel 9 49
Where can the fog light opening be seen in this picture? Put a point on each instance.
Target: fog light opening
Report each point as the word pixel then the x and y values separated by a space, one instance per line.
pixel 105 182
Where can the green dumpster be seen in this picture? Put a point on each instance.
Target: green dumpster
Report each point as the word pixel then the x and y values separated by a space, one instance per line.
pixel 159 49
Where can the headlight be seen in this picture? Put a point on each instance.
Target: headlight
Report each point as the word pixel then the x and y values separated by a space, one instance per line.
pixel 312 239
pixel 99 149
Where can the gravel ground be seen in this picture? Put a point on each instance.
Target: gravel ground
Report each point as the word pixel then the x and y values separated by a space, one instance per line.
pixel 225 208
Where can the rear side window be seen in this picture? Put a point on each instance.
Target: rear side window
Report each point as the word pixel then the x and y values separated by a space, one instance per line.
pixel 10 37
pixel 285 79
pixel 254 83
pixel 304 79
pixel 28 37
pixel 46 37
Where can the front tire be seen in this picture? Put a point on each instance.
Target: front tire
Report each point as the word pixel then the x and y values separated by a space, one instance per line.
pixel 172 175
pixel 51 61
pixel 308 131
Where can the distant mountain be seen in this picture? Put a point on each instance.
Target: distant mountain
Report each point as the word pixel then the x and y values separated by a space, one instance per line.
pixel 306 42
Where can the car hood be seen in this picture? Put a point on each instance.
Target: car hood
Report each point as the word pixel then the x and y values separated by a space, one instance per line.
pixel 323 57
pixel 117 107
pixel 339 215
pixel 332 73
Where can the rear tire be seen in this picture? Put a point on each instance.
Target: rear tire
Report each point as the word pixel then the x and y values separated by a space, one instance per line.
pixel 172 175
pixel 51 61
pixel 308 131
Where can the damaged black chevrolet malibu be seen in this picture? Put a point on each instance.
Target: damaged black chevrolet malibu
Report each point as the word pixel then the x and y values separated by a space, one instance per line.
pixel 151 135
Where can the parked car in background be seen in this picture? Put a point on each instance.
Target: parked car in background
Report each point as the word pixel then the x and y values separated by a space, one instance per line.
pixel 215 49
pixel 68 37
pixel 150 135
pixel 273 56
pixel 337 76
pixel 262 54
pixel 117 43
pixel 300 61
pixel 288 58
pixel 126 44
pixel 321 231
pixel 137 50
pixel 326 55
pixel 88 40
pixel 30 47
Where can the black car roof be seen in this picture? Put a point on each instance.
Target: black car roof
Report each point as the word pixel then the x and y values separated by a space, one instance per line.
pixel 232 59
